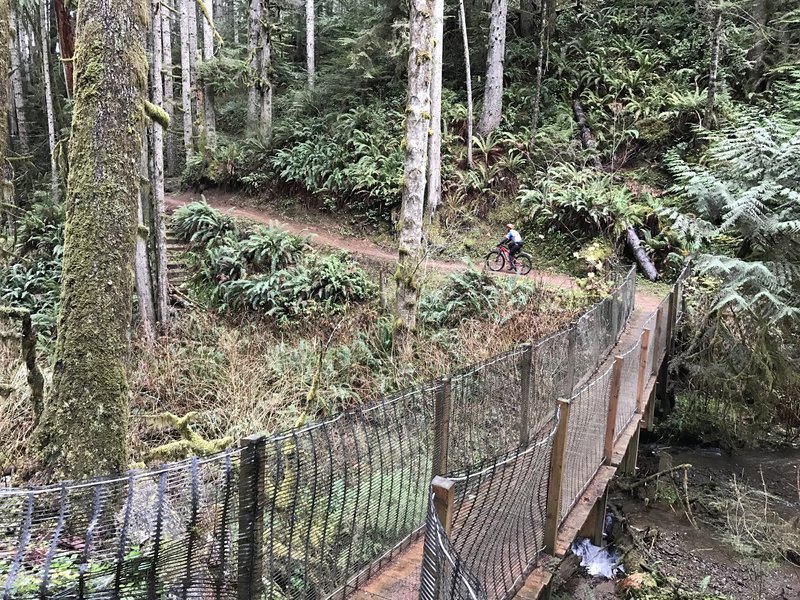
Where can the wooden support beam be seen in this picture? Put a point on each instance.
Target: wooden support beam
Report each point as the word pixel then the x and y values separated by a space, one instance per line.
pixel 595 524
pixel 525 366
pixel 554 486
pixel 252 508
pixel 441 428
pixel 657 348
pixel 613 405
pixel 444 495
pixel 628 466
pixel 643 375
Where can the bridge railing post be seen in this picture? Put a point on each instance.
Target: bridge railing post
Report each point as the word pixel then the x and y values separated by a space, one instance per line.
pixel 555 482
pixel 641 401
pixel 613 406
pixel 442 408
pixel 525 369
pixel 572 346
pixel 252 504
pixel 444 496
pixel 663 384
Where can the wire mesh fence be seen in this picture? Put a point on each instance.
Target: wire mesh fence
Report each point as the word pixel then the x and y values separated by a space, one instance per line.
pixel 585 438
pixel 498 526
pixel 313 512
pixel 629 388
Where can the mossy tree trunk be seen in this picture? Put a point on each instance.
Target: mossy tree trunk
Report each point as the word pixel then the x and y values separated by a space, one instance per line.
pixel 418 120
pixel 493 94
pixel 169 88
pixel 187 7
pixel 434 193
pixel 537 89
pixel 84 427
pixel 713 69
pixel 259 101
pixel 158 225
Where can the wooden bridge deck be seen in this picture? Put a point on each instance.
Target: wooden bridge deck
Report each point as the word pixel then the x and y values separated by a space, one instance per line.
pixel 400 578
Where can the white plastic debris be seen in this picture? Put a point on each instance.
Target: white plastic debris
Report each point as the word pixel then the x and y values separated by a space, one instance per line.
pixel 598 562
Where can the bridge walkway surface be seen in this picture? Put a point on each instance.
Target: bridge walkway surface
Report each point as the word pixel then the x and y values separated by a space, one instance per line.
pixel 400 578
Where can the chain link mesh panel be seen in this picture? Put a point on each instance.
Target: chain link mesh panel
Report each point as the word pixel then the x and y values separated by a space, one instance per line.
pixel 166 533
pixel 629 383
pixel 585 439
pixel 498 526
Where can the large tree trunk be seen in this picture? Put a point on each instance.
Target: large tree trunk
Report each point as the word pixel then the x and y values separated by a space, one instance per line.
pixel 209 117
pixel 159 228
pixel 169 88
pixel 415 170
pixel 44 24
pixel 84 428
pixel 259 101
pixel 640 254
pixel 537 90
pixel 66 41
pixel 310 52
pixel 468 77
pixel 187 69
pixel 17 86
pixel 493 93
pixel 716 34
pixel 434 193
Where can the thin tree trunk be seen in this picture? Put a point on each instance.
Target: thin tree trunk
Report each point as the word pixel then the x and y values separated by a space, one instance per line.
pixel 196 91
pixel 66 41
pixel 756 54
pixel 144 287
pixel 415 170
pixel 5 65
pixel 186 80
pixel 468 77
pixel 708 118
pixel 169 87
pixel 434 193
pixel 587 139
pixel 44 23
pixel 265 83
pixel 208 89
pixel 17 86
pixel 83 431
pixel 493 94
pixel 310 32
pixel 253 104
pixel 159 236
pixel 537 91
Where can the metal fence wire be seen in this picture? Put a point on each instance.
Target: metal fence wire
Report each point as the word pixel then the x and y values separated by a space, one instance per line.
pixel 498 526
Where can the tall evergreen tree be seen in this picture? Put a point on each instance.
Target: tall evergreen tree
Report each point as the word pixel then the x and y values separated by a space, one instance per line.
pixel 83 430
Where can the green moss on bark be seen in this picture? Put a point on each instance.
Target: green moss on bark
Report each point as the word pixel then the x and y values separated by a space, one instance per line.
pixel 84 427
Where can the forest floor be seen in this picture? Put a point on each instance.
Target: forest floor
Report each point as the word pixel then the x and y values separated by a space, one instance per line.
pixel 327 231
pixel 741 542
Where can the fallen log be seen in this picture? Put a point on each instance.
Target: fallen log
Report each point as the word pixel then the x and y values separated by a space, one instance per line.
pixel 644 262
pixel 587 139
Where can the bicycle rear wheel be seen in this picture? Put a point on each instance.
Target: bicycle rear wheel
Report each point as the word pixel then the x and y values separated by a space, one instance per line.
pixel 495 261
pixel 524 264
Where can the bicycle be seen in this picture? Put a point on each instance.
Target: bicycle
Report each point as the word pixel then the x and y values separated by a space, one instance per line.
pixel 500 256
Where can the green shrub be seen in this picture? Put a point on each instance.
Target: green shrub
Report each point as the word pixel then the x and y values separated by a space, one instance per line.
pixel 271 249
pixel 201 224
pixel 465 295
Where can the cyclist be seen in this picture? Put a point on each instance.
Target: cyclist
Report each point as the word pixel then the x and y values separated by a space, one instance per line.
pixel 514 241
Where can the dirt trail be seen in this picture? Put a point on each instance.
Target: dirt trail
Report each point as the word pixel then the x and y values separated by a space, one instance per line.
pixel 324 237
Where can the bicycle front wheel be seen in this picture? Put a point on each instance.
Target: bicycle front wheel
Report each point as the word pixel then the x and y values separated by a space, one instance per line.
pixel 495 261
pixel 524 264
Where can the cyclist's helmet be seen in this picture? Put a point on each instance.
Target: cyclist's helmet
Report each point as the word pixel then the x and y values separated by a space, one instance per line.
pixel 509 226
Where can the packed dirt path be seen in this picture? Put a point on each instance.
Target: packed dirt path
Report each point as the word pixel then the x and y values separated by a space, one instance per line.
pixel 323 236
